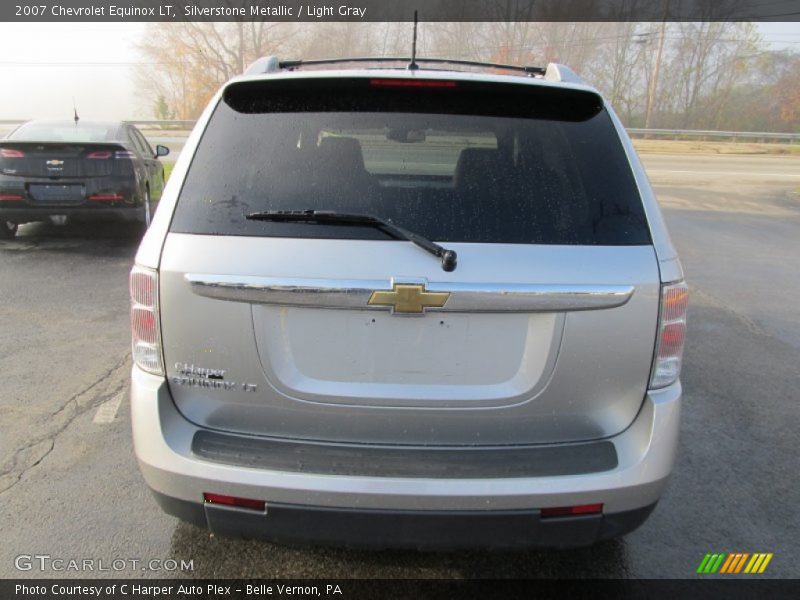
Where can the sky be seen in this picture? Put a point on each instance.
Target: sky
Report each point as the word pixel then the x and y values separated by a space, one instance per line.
pixel 44 66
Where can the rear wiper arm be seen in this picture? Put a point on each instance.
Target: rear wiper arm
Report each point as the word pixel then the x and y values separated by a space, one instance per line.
pixel 449 257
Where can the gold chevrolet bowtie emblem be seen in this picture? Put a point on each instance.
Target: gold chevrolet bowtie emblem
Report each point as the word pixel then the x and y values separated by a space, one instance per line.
pixel 408 298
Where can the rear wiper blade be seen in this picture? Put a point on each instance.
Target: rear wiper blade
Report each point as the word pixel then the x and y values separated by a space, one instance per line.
pixel 327 217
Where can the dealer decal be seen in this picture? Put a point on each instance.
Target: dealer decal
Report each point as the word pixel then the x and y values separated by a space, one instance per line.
pixel 202 377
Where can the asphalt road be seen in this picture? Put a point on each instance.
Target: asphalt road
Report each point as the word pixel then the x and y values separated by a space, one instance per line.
pixel 69 487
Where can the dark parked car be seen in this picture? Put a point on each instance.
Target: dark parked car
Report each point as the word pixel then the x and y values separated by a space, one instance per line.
pixel 84 169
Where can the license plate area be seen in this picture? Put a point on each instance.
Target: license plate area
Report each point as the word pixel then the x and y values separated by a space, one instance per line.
pixel 60 194
pixel 375 359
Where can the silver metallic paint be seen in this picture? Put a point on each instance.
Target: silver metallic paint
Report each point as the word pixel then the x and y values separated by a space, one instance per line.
pixel 162 441
pixel 537 377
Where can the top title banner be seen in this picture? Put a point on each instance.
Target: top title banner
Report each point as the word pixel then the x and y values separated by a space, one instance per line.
pixel 399 10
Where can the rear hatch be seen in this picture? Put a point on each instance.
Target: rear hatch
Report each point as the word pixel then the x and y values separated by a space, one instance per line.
pixel 543 333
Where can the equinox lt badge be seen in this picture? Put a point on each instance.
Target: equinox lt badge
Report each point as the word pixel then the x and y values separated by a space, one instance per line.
pixel 192 376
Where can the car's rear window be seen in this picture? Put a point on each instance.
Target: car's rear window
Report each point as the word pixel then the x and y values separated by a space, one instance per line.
pixel 461 163
pixel 67 132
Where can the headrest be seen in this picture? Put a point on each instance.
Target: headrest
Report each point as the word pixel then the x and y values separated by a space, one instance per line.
pixel 476 165
pixel 342 153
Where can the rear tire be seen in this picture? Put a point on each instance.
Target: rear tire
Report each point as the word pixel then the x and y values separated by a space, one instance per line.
pixel 7 230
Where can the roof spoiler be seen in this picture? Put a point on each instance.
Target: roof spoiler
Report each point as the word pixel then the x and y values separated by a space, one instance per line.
pixel 559 72
pixel 553 71
pixel 265 64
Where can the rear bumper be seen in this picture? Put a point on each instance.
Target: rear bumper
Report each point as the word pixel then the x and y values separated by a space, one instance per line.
pixel 432 530
pixel 404 511
pixel 29 209
pixel 90 210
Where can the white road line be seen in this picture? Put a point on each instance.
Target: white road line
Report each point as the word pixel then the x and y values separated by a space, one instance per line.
pixel 731 173
pixel 108 410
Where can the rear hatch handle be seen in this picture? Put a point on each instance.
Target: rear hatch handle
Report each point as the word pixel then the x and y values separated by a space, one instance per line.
pixel 360 294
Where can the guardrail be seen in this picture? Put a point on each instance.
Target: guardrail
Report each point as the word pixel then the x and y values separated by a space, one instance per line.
pixel 676 134
pixel 734 136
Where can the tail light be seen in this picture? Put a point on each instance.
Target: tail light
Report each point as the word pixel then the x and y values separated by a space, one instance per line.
pixel 11 153
pixel 671 335
pixel 106 197
pixel 571 511
pixel 234 501
pixel 106 154
pixel 412 83
pixel 145 326
pixel 4 196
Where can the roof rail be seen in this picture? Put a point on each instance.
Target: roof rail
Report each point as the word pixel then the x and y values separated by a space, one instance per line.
pixel 553 72
pixel 271 64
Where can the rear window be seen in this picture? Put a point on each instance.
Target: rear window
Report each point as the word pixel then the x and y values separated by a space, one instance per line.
pixel 456 163
pixel 67 132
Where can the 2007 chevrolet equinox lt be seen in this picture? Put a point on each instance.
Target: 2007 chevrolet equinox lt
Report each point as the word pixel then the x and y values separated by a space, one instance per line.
pixel 408 307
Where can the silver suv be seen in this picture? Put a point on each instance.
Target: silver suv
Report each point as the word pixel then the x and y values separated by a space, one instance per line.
pixel 408 307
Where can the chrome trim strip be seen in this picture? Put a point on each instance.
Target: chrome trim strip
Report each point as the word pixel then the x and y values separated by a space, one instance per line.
pixel 327 293
pixel 355 293
pixel 531 297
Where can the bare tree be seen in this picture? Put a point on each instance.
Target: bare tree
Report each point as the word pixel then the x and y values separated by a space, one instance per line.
pixel 461 40
pixel 331 40
pixel 618 66
pixel 787 94
pixel 712 74
pixel 705 61
pixel 187 62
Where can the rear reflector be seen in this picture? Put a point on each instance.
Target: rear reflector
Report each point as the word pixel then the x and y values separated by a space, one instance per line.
pixel 11 153
pixel 570 511
pixel 145 328
pixel 234 501
pixel 671 335
pixel 143 322
pixel 10 197
pixel 412 83
pixel 106 197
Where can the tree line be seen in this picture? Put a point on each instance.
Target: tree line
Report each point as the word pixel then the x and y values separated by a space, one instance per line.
pixel 708 75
